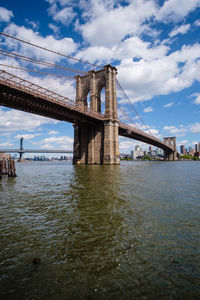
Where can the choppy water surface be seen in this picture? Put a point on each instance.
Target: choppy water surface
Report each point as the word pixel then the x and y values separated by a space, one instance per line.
pixel 101 232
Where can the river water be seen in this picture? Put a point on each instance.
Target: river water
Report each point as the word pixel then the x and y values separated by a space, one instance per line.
pixel 101 232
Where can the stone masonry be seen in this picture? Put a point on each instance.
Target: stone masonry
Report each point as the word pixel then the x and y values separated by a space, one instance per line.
pixel 171 141
pixel 98 144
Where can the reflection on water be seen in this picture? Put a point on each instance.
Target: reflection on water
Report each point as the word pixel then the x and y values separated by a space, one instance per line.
pixel 101 232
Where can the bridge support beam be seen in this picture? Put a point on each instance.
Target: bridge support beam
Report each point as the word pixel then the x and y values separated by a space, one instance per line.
pixel 170 141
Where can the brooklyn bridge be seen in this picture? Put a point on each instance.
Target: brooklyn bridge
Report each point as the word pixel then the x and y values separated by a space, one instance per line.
pixel 96 133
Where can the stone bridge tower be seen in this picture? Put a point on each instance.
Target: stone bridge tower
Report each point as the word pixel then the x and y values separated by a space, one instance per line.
pixel 97 144
pixel 170 141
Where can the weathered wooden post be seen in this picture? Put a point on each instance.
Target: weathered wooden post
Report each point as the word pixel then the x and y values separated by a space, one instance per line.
pixel 7 166
pixel 4 169
pixel 1 167
pixel 13 170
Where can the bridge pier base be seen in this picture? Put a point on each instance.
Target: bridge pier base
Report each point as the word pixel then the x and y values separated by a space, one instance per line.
pixel 170 141
pixel 171 156
pixel 96 145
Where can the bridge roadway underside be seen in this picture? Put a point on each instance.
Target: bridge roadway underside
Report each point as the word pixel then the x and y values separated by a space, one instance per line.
pixel 132 133
pixel 17 99
pixel 21 100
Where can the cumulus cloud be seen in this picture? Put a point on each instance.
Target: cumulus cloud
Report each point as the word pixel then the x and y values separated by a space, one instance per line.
pixel 61 142
pixel 27 136
pixel 133 47
pixel 115 22
pixel 180 30
pixel 170 104
pixel 52 132
pixel 6 144
pixel 197 23
pixel 5 14
pixel 65 45
pixel 14 120
pixel 195 128
pixel 182 142
pixel 174 10
pixel 148 109
pixel 181 130
pixel 197 100
pixel 65 15
pixel 54 28
pixel 143 79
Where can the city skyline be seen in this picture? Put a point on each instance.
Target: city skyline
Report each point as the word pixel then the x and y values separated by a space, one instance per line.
pixel 153 44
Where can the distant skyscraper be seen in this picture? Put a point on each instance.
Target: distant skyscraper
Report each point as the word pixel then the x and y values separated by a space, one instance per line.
pixel 137 148
pixel 196 147
pixel 182 149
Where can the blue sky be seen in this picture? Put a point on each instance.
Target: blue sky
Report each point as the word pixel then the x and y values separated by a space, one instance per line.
pixel 154 44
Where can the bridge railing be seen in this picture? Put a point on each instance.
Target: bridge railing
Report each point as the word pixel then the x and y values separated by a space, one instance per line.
pixel 31 88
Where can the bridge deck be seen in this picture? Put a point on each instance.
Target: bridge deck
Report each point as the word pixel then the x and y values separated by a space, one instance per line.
pixel 21 94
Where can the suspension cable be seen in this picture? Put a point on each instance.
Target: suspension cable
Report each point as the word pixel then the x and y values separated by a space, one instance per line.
pixel 127 117
pixel 78 60
pixel 49 50
pixel 37 61
pixel 39 72
pixel 133 107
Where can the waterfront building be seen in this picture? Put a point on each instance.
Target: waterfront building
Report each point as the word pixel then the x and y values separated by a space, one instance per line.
pixel 182 149
pixel 138 152
pixel 197 147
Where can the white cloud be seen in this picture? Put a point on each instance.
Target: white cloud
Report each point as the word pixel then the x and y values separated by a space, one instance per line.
pixel 178 131
pixel 61 2
pixel 133 47
pixel 54 28
pixel 148 109
pixel 65 45
pixel 35 25
pixel 145 79
pixel 175 10
pixel 52 132
pixel 180 30
pixel 115 22
pixel 65 15
pixel 5 14
pixel 170 104
pixel 197 22
pixel 27 136
pixel 181 129
pixel 6 144
pixel 197 100
pixel 182 142
pixel 195 128
pixel 62 142
pixel 14 120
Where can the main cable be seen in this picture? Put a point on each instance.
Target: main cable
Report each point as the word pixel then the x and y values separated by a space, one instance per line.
pixel 49 50
pixel 37 61
pixel 33 71
pixel 133 107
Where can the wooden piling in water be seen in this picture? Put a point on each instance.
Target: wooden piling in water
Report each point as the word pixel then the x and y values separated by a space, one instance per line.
pixel 7 166
pixel 11 168
pixel 1 167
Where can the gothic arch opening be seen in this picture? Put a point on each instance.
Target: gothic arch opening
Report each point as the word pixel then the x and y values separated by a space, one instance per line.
pixel 102 101
pixel 88 101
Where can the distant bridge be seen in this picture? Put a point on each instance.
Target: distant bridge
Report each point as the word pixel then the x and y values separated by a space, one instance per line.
pixel 34 151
